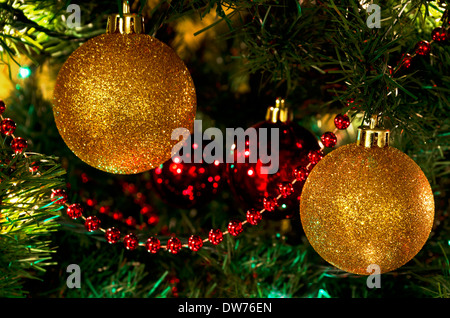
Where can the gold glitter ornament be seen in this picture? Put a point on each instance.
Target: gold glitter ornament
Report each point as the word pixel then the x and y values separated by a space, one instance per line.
pixel 367 203
pixel 119 96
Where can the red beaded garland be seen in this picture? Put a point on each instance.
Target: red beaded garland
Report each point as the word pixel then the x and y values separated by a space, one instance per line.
pixel 112 235
pixel 59 195
pixel 270 203
pixel 92 223
pixel 173 245
pixel 341 121
pixel 74 211
pixel 235 227
pixel 215 236
pixel 195 243
pixel 423 48
pixel 2 107
pixel 153 245
pixel 18 144
pixel 301 173
pixel 315 156
pixel 329 139
pixel 439 34
pixel 285 189
pixel 130 242
pixel 253 216
pixel 7 127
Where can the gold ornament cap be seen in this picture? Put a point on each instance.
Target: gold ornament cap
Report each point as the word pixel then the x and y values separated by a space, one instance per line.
pixel 128 23
pixel 279 113
pixel 372 135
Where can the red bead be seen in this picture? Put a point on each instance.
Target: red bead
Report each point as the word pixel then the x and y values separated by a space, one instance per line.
pixel 329 139
pixel 195 243
pixel 406 60
pixel 253 216
pixel 131 221
pixel 423 48
pixel 18 144
pixel 7 127
pixel 315 156
pixel 439 34
pixel 92 223
pixel 301 173
pixel 173 245
pixel 112 235
pixel 270 203
pixel 215 236
pixel 130 242
pixel 59 195
pixel 2 107
pixel 153 245
pixel 285 188
pixel 235 227
pixel 75 211
pixel 341 121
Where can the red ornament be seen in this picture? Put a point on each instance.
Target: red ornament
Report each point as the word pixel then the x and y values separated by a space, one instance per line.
pixel 188 184
pixel 2 107
pixel 315 156
pixel 439 34
pixel 215 236
pixel 195 243
pixel 235 227
pixel 92 223
pixel 342 121
pixel 74 211
pixel 251 186
pixel 18 144
pixel 59 195
pixel 173 245
pixel 406 60
pixel 112 235
pixel 423 48
pixel 329 139
pixel 301 173
pixel 270 203
pixel 285 188
pixel 153 245
pixel 254 216
pixel 7 127
pixel 130 242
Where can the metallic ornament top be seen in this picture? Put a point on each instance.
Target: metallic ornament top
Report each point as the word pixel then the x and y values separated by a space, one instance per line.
pixel 364 205
pixel 119 96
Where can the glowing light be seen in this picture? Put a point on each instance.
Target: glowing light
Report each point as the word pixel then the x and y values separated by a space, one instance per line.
pixel 250 172
pixel 24 72
pixel 176 160
pixel 216 162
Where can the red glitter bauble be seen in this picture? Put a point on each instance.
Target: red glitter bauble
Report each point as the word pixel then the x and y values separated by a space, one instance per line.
pixel 423 48
pixel 92 223
pixel 439 34
pixel 341 121
pixel 329 139
pixel 59 195
pixel 173 245
pixel 235 227
pixel 215 236
pixel 130 242
pixel 195 243
pixel 251 186
pixel 253 216
pixel 112 235
pixel 74 211
pixel 18 144
pixel 7 126
pixel 184 184
pixel 153 245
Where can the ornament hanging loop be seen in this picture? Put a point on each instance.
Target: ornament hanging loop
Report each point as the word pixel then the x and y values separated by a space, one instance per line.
pixel 373 135
pixel 128 23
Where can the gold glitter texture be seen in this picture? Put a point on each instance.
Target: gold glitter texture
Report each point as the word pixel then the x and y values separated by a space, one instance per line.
pixel 117 100
pixel 362 206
